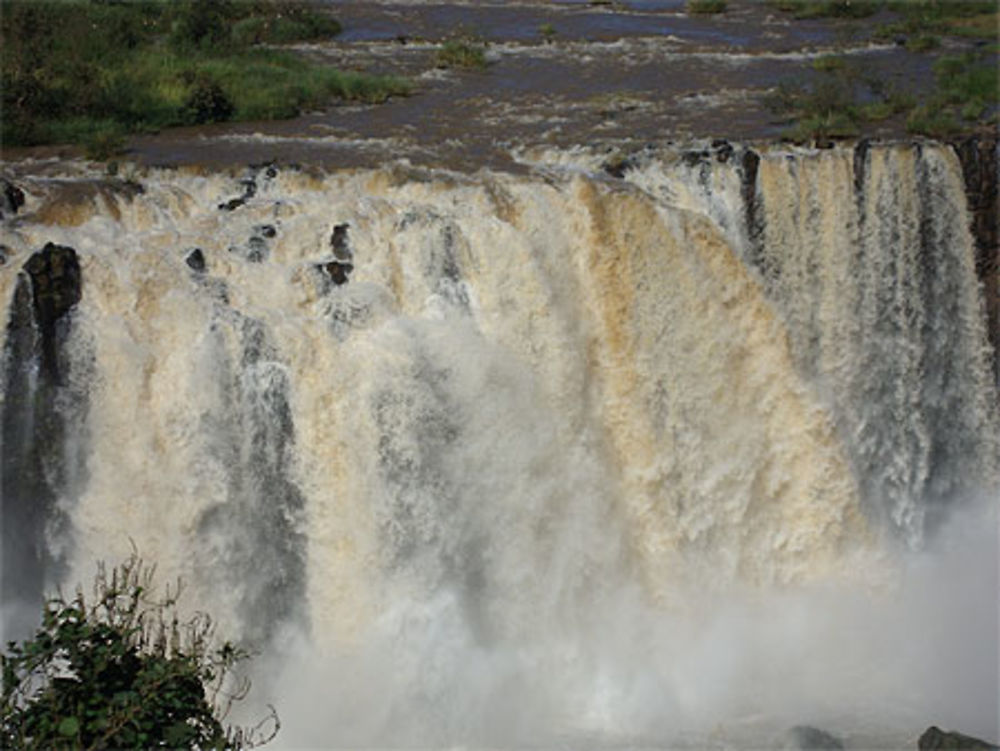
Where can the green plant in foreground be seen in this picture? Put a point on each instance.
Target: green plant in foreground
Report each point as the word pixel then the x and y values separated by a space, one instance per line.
pixel 548 32
pixel 461 53
pixel 122 671
pixel 706 7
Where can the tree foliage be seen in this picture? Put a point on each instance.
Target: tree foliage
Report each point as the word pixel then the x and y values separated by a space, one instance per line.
pixel 121 670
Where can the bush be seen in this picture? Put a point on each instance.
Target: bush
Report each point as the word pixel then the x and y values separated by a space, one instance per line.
pixel 201 24
pixel 706 7
pixel 207 102
pixel 922 42
pixel 461 53
pixel 122 671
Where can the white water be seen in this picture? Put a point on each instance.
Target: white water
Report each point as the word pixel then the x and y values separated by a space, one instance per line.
pixel 568 461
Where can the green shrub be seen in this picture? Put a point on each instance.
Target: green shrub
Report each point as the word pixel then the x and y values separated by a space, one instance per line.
pixel 120 671
pixel 201 24
pixel 461 53
pixel 922 42
pixel 822 127
pixel 931 120
pixel 105 142
pixel 207 102
pixel 962 78
pixel 706 7
pixel 828 63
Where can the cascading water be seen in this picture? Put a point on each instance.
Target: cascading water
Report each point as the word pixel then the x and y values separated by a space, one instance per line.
pixel 551 459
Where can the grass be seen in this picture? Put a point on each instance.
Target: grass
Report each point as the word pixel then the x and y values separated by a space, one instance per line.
pixel 706 7
pixel 461 53
pixel 842 101
pixel 925 19
pixel 150 64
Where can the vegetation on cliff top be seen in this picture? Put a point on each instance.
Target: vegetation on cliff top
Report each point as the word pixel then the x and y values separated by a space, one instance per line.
pixel 92 71
pixel 843 100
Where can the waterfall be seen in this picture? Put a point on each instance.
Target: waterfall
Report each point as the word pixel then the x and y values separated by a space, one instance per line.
pixel 498 446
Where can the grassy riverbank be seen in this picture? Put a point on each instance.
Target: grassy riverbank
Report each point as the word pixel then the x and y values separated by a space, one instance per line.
pixel 94 71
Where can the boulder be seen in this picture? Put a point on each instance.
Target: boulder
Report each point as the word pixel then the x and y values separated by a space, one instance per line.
pixel 936 739
pixel 337 272
pixel 807 738
pixel 11 198
pixel 56 282
pixel 340 244
pixel 196 260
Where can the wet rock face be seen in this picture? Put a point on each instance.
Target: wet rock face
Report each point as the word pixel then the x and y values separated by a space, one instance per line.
pixel 338 272
pixel 56 282
pixel 42 408
pixel 11 198
pixel 978 155
pixel 339 243
pixel 936 739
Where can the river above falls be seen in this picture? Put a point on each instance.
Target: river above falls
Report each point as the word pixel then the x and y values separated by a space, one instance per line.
pixel 559 74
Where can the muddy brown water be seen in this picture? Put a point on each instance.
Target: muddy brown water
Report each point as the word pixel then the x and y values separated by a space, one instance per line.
pixel 614 76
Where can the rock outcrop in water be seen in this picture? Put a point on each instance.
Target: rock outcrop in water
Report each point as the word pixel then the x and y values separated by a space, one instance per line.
pixel 11 198
pixel 936 739
pixel 808 738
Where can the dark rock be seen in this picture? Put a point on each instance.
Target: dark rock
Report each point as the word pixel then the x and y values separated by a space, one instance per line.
pixel 56 282
pixel 269 169
pixel 861 150
pixel 806 738
pixel 4 253
pixel 196 260
pixel 752 214
pixel 267 230
pixel 723 150
pixel 978 155
pixel 232 204
pixel 42 415
pixel 11 198
pixel 257 250
pixel 694 158
pixel 339 243
pixel 249 191
pixel 936 739
pixel 617 166
pixel 337 272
